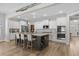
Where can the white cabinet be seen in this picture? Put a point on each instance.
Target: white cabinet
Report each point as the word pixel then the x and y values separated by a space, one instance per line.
pixel 61 21
pixel 13 24
pixel 52 24
pixel 39 25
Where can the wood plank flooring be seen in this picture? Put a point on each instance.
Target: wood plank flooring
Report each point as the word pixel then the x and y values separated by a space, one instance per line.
pixel 54 49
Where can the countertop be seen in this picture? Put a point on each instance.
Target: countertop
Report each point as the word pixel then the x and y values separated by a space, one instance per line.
pixel 40 34
pixel 36 33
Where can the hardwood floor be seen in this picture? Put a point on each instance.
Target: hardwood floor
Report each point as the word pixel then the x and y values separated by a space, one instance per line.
pixel 54 49
pixel 74 46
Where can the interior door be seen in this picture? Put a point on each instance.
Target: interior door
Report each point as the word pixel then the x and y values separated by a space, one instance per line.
pixel 0 32
pixel 78 30
pixel 74 28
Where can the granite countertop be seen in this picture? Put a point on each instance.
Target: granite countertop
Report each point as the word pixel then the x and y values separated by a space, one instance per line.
pixel 25 33
pixel 36 33
pixel 40 34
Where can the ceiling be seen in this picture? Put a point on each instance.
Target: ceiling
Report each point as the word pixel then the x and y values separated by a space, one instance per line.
pixel 52 10
pixel 11 7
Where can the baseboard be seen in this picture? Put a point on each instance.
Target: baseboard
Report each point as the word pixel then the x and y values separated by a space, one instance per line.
pixel 58 42
pixel 4 40
pixel 7 40
pixel 1 40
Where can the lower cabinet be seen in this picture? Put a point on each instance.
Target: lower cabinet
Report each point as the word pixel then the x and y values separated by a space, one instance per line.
pixel 40 42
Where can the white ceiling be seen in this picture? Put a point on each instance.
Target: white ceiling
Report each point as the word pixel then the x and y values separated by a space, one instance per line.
pixel 11 7
pixel 51 11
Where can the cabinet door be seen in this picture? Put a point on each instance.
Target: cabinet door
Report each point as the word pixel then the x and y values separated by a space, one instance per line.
pixel 61 21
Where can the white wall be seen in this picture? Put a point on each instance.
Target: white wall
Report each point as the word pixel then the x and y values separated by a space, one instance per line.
pixel 2 26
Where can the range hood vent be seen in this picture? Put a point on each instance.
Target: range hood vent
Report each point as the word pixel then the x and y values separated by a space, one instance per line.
pixel 27 7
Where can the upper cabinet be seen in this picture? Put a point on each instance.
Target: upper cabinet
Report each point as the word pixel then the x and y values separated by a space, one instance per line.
pixel 39 25
pixel 52 24
pixel 23 23
pixel 13 24
pixel 61 21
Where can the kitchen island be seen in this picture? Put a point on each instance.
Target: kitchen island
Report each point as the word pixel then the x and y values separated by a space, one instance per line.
pixel 39 40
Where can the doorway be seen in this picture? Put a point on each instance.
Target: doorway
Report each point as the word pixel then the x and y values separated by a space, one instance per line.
pixel 0 32
pixel 78 31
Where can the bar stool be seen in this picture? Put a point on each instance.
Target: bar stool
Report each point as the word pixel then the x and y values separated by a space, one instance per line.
pixel 22 39
pixel 70 35
pixel 17 38
pixel 25 40
pixel 29 43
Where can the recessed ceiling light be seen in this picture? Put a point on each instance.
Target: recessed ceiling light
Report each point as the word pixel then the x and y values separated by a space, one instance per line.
pixel 74 20
pixel 60 12
pixel 33 13
pixel 45 15
pixel 34 16
pixel 26 18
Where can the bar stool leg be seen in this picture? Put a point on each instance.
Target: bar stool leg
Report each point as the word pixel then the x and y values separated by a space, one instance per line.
pixel 29 45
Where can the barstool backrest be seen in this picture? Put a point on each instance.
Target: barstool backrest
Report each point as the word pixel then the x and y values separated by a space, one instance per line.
pixel 29 37
pixel 22 36
pixel 17 35
pixel 25 37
